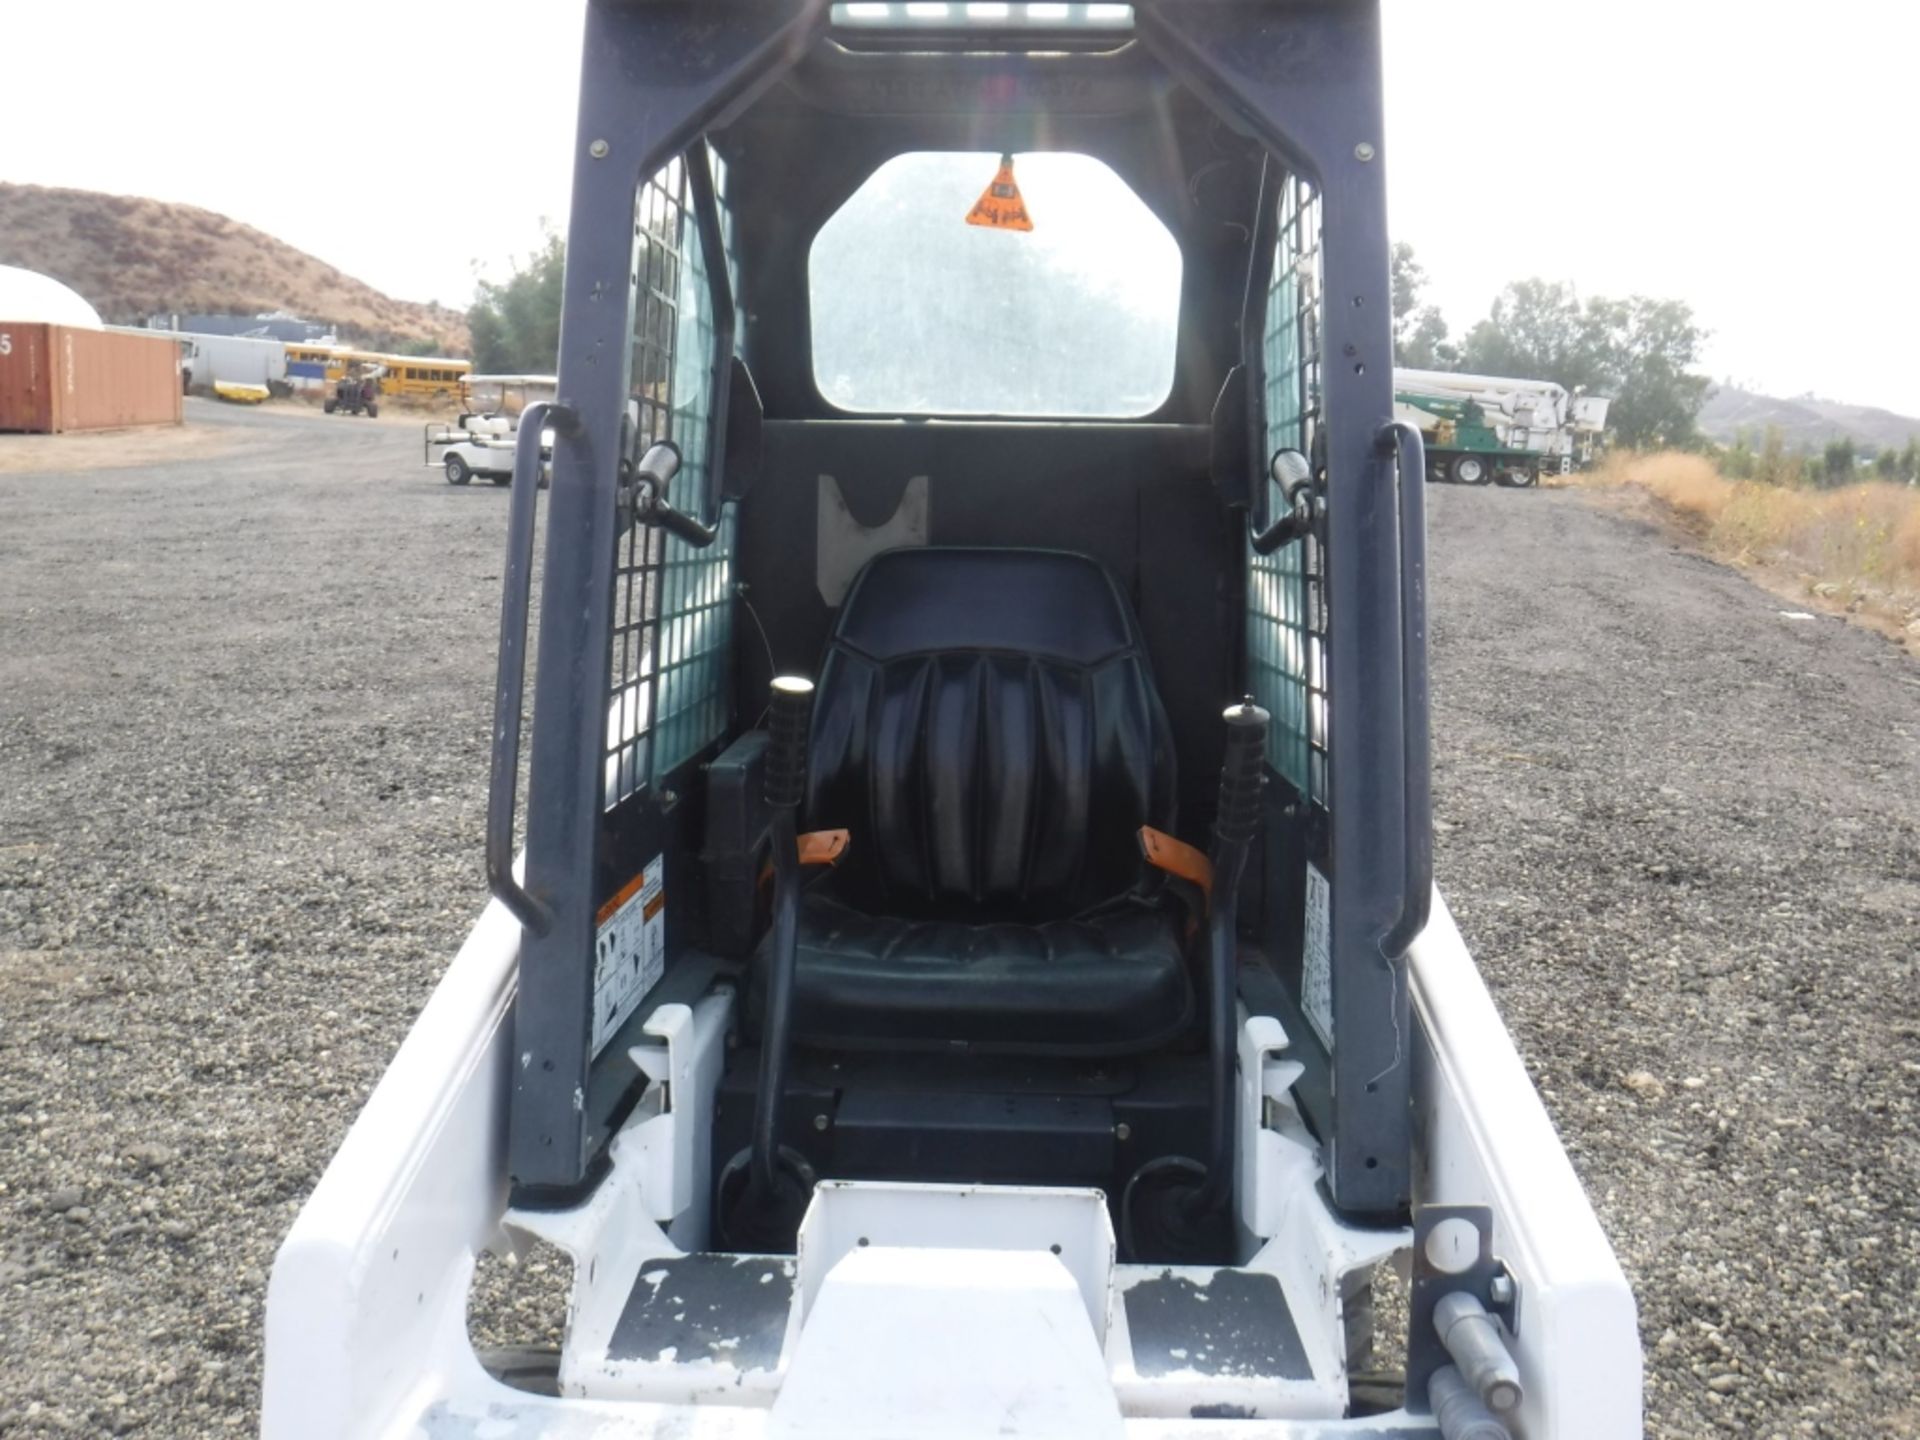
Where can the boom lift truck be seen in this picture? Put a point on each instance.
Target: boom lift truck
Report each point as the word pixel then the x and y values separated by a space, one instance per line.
pixel 1011 1000
pixel 1478 428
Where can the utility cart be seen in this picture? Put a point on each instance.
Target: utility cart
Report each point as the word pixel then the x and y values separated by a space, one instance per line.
pixel 356 393
pixel 482 440
pixel 973 968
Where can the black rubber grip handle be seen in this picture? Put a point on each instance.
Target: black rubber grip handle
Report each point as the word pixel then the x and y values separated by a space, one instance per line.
pixel 678 522
pixel 789 714
pixel 1242 776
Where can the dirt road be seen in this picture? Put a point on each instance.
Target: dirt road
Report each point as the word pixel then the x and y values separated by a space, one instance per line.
pixel 243 721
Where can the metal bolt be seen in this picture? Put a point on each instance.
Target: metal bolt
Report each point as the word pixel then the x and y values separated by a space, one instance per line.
pixel 598 149
pixel 820 1122
pixel 1363 152
pixel 1500 1289
pixel 1123 1131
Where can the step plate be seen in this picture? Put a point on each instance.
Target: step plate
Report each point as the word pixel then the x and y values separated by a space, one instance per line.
pixel 1226 1323
pixel 1196 1342
pixel 730 1310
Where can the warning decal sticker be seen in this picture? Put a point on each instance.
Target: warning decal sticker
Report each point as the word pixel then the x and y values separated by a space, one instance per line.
pixel 1000 206
pixel 630 950
pixel 1316 963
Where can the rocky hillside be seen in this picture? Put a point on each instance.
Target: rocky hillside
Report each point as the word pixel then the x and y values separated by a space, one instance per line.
pixel 1804 422
pixel 133 258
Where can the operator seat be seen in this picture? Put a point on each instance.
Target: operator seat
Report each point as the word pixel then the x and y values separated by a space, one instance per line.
pixel 986 725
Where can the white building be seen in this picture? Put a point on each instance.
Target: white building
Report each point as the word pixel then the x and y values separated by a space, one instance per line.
pixel 30 298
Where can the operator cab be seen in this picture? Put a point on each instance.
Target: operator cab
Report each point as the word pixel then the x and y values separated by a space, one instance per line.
pixel 965 752
pixel 972 491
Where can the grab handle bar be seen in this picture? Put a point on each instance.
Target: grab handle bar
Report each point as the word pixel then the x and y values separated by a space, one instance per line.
pixel 1401 443
pixel 516 586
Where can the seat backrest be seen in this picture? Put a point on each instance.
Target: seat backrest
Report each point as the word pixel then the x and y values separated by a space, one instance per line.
pixel 986 725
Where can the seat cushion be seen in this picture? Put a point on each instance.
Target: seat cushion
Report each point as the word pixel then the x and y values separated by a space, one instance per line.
pixel 1108 982
pixel 987 726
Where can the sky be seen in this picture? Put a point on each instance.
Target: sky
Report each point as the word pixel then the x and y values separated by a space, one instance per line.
pixel 1752 157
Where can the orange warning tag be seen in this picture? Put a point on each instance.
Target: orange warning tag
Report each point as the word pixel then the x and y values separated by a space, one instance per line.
pixel 1000 206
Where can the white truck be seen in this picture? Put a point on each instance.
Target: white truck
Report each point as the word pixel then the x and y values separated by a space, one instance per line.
pixel 1487 427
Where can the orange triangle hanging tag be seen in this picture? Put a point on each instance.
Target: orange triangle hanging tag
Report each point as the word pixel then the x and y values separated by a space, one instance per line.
pixel 1000 206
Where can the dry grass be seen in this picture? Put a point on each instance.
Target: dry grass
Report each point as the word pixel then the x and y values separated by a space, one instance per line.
pixel 1858 546
pixel 58 455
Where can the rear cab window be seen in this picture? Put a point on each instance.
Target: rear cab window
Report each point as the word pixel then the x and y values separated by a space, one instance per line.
pixel 914 311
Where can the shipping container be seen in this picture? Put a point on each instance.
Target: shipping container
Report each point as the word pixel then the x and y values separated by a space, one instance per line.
pixel 55 378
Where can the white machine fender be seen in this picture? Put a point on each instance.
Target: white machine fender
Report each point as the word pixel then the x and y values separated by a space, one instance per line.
pixel 366 1306
pixel 1486 1140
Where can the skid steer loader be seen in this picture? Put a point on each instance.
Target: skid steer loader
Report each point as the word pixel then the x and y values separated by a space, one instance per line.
pixel 973 968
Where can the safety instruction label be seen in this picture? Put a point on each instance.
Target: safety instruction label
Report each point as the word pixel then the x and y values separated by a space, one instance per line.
pixel 630 950
pixel 1316 958
pixel 1000 206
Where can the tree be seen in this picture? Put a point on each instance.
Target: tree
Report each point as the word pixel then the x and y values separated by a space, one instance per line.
pixel 1638 350
pixel 1886 463
pixel 1910 460
pixel 1409 279
pixel 1737 461
pixel 1648 346
pixel 1538 330
pixel 1839 460
pixel 1425 345
pixel 1776 466
pixel 516 322
pixel 1419 331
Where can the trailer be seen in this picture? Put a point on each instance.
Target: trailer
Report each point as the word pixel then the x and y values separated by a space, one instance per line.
pixel 974 967
pixel 215 360
pixel 1481 428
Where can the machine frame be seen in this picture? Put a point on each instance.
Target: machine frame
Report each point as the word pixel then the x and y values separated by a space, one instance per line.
pixel 1379 1112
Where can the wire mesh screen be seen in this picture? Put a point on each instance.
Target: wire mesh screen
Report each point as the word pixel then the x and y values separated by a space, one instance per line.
pixel 673 611
pixel 1287 598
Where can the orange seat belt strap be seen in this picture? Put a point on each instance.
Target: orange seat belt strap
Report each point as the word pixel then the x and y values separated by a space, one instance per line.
pixel 1178 859
pixel 823 847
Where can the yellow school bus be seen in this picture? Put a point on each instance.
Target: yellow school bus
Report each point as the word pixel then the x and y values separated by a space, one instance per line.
pixel 428 377
pixel 316 365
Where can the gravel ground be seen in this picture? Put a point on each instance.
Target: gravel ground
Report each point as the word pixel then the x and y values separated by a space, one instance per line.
pixel 243 718
pixel 243 745
pixel 1682 836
